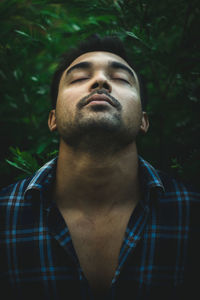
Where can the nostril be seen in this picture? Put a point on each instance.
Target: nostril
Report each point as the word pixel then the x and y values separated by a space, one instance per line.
pixel 95 85
pixel 100 85
pixel 106 86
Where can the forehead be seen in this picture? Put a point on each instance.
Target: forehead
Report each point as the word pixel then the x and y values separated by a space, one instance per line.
pixel 99 58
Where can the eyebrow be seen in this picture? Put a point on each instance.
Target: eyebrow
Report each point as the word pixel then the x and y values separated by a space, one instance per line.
pixel 118 65
pixel 81 65
pixel 112 64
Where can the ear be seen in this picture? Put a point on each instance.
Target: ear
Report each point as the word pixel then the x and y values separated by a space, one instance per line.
pixel 52 120
pixel 145 123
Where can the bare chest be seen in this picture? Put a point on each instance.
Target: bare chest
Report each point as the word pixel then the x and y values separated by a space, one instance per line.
pixel 97 245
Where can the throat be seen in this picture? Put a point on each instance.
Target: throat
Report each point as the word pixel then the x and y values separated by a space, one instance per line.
pixel 99 199
pixel 85 181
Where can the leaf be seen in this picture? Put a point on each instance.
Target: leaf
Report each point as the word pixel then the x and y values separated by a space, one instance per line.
pixel 23 160
pixel 49 13
pixel 23 33
pixel 41 148
pixel 132 35
pixel 13 164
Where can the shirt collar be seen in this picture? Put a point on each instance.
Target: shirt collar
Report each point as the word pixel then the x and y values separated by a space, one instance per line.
pixel 149 178
pixel 40 182
pixel 42 179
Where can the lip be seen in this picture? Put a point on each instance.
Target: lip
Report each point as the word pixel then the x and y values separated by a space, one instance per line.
pixel 97 98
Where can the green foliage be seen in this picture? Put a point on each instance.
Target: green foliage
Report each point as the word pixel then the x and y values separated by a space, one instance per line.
pixel 23 160
pixel 162 37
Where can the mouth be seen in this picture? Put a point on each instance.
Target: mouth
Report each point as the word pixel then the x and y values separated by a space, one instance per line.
pixel 99 99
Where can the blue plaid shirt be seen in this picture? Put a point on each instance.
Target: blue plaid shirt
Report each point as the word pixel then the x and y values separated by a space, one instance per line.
pixel 159 256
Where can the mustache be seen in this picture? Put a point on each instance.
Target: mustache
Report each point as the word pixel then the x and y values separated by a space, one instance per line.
pixel 114 101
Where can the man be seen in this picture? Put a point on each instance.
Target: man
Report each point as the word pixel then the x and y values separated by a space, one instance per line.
pixel 98 222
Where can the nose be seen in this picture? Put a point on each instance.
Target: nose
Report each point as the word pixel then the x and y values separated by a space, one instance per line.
pixel 100 82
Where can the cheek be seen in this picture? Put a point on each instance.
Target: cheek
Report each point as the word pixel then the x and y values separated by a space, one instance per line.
pixel 66 101
pixel 126 94
pixel 71 95
pixel 132 108
pixel 129 98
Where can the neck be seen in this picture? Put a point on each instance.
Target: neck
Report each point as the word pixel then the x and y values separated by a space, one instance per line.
pixel 89 183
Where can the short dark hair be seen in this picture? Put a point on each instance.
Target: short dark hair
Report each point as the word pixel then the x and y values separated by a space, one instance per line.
pixel 95 43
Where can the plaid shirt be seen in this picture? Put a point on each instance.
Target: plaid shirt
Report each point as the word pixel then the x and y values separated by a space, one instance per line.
pixel 158 258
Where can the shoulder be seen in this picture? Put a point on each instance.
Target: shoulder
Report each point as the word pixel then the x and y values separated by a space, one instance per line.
pixel 179 201
pixel 16 195
pixel 171 188
pixel 176 188
pixel 37 180
pixel 12 201
pixel 14 191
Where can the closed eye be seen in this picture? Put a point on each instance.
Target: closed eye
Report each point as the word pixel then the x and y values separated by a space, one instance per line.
pixel 122 79
pixel 79 79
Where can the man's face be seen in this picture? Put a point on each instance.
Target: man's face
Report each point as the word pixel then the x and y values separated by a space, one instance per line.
pixel 98 104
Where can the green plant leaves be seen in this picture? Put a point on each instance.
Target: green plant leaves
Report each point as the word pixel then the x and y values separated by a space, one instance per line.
pixel 23 161
pixel 162 40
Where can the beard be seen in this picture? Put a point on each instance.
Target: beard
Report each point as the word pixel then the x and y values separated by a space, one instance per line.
pixel 99 131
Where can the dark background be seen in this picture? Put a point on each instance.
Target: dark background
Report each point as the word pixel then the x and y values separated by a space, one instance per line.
pixel 164 37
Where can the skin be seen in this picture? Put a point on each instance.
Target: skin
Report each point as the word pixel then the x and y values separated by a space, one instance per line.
pixel 102 186
pixel 87 170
